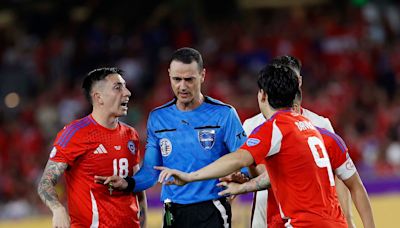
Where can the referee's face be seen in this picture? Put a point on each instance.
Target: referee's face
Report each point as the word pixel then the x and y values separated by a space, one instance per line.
pixel 186 80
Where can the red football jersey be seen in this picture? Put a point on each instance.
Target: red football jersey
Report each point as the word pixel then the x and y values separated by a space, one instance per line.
pixel 90 149
pixel 296 158
pixel 341 164
pixel 274 219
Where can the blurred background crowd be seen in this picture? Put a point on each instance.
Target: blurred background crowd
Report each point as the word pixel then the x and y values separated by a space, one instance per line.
pixel 350 50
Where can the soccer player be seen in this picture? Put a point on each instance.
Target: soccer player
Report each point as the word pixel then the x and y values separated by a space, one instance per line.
pixel 98 143
pixel 342 166
pixel 260 208
pixel 289 145
pixel 187 133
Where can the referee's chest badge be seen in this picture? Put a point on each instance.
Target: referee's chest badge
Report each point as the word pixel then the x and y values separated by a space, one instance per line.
pixel 206 138
pixel 165 147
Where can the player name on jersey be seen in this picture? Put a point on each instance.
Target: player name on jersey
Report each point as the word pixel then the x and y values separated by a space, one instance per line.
pixel 304 125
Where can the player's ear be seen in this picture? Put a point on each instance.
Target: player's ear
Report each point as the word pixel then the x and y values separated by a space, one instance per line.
pixel 262 95
pixel 97 98
pixel 203 75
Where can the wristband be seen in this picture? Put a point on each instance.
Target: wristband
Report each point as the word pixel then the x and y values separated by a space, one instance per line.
pixel 131 184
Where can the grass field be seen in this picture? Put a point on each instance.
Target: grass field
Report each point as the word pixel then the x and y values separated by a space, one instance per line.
pixel 386 210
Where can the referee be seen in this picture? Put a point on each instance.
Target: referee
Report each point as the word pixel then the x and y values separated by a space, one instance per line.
pixel 187 133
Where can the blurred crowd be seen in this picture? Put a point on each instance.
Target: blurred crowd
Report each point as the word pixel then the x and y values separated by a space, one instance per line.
pixel 350 53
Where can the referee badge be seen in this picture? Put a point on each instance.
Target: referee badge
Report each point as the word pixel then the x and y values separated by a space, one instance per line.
pixel 165 147
pixel 206 138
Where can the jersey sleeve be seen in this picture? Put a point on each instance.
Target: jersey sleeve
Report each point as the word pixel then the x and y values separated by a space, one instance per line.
pixel 264 141
pixel 68 146
pixel 234 134
pixel 338 155
pixel 135 138
pixel 147 175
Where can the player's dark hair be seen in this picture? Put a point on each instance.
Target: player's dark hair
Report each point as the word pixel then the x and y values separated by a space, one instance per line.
pixel 188 55
pixel 289 61
pixel 97 75
pixel 280 83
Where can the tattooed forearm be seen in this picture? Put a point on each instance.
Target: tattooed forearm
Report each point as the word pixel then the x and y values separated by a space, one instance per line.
pixel 258 183
pixel 49 179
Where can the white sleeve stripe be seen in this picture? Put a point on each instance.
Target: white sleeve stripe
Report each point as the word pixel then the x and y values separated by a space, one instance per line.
pixel 346 170
pixel 276 140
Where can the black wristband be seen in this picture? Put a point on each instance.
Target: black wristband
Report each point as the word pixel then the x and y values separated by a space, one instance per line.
pixel 131 184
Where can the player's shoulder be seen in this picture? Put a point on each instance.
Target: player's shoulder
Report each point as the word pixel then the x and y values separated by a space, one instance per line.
pixel 164 106
pixel 257 119
pixel 216 103
pixel 251 123
pixel 77 129
pixel 127 127
pixel 310 114
pixel 80 124
pixel 218 108
pixel 332 138
pixel 317 120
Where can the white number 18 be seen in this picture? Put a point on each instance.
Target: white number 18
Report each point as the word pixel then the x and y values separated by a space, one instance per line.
pixel 123 165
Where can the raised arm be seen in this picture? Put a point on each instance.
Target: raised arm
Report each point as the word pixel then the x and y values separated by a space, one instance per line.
pixel 47 193
pixel 145 178
pixel 147 175
pixel 258 183
pixel 361 200
pixel 220 168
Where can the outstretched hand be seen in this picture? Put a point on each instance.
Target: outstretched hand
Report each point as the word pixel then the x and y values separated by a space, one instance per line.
pixel 116 182
pixel 231 188
pixel 237 177
pixel 172 176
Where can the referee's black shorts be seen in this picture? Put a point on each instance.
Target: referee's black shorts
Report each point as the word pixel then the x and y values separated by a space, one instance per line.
pixel 213 213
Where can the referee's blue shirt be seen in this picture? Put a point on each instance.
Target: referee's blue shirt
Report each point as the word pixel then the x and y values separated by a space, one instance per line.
pixel 188 141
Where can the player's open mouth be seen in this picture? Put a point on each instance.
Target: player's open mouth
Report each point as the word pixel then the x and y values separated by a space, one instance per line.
pixel 124 104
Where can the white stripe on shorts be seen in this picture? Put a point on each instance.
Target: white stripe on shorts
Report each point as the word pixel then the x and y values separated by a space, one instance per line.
pixel 222 210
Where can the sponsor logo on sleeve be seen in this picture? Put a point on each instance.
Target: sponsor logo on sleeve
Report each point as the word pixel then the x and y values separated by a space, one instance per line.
pixel 132 147
pixel 252 142
pixel 165 147
pixel 206 138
